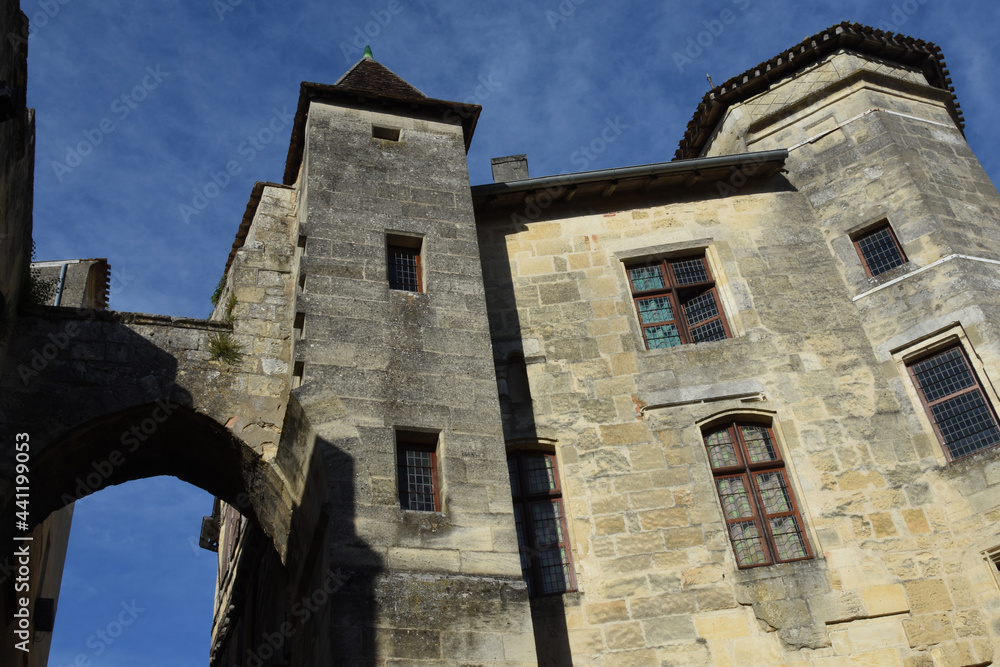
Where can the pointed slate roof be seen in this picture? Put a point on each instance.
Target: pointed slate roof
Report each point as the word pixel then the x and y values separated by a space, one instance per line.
pixel 368 84
pixel 370 76
pixel 889 46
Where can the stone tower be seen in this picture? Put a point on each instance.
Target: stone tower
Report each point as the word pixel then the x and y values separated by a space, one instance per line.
pixel 394 384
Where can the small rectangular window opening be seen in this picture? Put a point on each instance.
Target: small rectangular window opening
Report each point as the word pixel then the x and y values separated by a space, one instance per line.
pixel 879 250
pixel 417 471
pixel 403 262
pixel 299 325
pixel 386 133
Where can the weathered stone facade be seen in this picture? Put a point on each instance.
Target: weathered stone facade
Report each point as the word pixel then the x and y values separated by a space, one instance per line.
pixel 517 338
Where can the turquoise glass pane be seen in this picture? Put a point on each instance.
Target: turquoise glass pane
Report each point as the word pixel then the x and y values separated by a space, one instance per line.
pixel 656 309
pixel 646 278
pixel 662 336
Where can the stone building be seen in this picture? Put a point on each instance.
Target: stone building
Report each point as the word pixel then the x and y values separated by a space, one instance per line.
pixel 738 408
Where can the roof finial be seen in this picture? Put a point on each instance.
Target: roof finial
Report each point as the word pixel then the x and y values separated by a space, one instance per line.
pixel 367 55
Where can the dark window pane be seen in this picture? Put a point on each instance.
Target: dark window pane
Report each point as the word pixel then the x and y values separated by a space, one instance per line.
pixel 689 271
pixel 880 251
pixel 646 278
pixel 418 481
pixel 700 308
pixel 943 374
pixel 555 570
pixel 966 423
pixel 548 524
pixel 541 476
pixel 711 331
pixel 403 269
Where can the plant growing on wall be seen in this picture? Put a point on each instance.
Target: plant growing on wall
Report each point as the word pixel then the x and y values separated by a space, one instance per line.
pixel 225 348
pixel 35 290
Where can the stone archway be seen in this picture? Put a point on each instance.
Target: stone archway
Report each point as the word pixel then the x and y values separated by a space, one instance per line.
pixel 108 397
pixel 161 438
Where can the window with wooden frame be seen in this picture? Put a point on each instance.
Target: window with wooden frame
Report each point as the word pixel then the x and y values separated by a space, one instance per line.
pixel 879 250
pixel 677 302
pixel 992 557
pixel 417 472
pixel 963 419
pixel 541 523
pixel 403 261
pixel 762 517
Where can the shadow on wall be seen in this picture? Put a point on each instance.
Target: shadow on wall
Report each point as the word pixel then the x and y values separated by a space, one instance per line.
pixel 548 613
pixel 319 607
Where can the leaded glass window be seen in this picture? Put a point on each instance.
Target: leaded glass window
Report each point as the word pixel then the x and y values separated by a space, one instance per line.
pixel 541 523
pixel 417 476
pixel 677 302
pixel 879 251
pixel 758 506
pixel 404 262
pixel 963 419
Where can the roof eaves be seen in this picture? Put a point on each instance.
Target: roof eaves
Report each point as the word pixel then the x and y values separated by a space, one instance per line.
pixel 674 167
pixel 854 36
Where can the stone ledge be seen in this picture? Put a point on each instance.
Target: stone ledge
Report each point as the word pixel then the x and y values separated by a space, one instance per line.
pixel 119 317
pixel 702 393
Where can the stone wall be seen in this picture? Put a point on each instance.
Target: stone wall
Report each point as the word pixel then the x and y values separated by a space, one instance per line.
pixel 442 587
pixel 897 532
pixel 17 166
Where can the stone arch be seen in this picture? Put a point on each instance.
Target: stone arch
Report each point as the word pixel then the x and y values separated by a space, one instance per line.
pixel 151 439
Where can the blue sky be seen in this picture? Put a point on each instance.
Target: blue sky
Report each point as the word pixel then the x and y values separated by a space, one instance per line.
pixel 163 95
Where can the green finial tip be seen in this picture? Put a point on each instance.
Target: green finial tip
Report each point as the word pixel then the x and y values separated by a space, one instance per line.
pixel 368 53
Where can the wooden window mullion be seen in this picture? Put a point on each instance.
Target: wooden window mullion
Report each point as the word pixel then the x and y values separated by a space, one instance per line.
pixel 975 387
pixel 759 509
pixel 751 474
